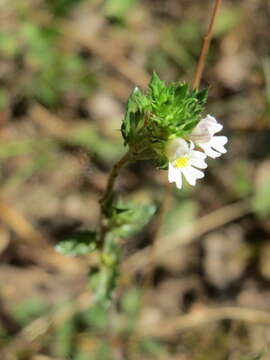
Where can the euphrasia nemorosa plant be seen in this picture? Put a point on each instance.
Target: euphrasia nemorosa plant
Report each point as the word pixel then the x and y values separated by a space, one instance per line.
pixel 163 124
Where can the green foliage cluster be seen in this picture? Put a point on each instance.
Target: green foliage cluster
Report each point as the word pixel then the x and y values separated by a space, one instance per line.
pixel 163 113
pixel 152 119
pixel 125 219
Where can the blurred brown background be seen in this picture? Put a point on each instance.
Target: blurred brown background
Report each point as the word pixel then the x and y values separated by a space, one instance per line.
pixel 67 68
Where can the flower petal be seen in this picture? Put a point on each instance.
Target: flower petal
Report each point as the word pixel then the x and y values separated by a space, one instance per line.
pixel 218 143
pixel 191 179
pixel 209 151
pixel 213 125
pixel 177 148
pixel 173 173
pixel 201 164
pixel 179 181
pixel 198 155
pixel 216 128
pixel 195 172
pixel 205 130
pixel 200 133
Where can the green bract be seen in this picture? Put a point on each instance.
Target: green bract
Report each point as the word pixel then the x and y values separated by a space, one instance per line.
pixel 162 113
pixel 79 243
pixel 128 218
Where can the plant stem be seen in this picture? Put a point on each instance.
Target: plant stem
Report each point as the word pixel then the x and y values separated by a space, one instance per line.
pixel 112 178
pixel 205 47
pixel 109 191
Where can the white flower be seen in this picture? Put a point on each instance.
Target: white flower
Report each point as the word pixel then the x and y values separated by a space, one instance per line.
pixel 204 136
pixel 183 160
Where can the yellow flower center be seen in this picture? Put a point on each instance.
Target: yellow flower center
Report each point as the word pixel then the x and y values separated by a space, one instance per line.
pixel 181 162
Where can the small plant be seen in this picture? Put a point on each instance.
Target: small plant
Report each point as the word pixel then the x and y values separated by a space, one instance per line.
pixel 165 125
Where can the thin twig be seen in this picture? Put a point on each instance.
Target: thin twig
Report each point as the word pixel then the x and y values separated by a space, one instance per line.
pixel 205 47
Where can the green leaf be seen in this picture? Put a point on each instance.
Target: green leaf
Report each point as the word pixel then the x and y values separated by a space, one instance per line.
pixel 80 243
pixel 181 91
pixel 137 105
pixel 156 85
pixel 202 95
pixel 129 218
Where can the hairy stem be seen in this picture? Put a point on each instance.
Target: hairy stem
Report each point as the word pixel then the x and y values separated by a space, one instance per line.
pixel 104 201
pixel 112 178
